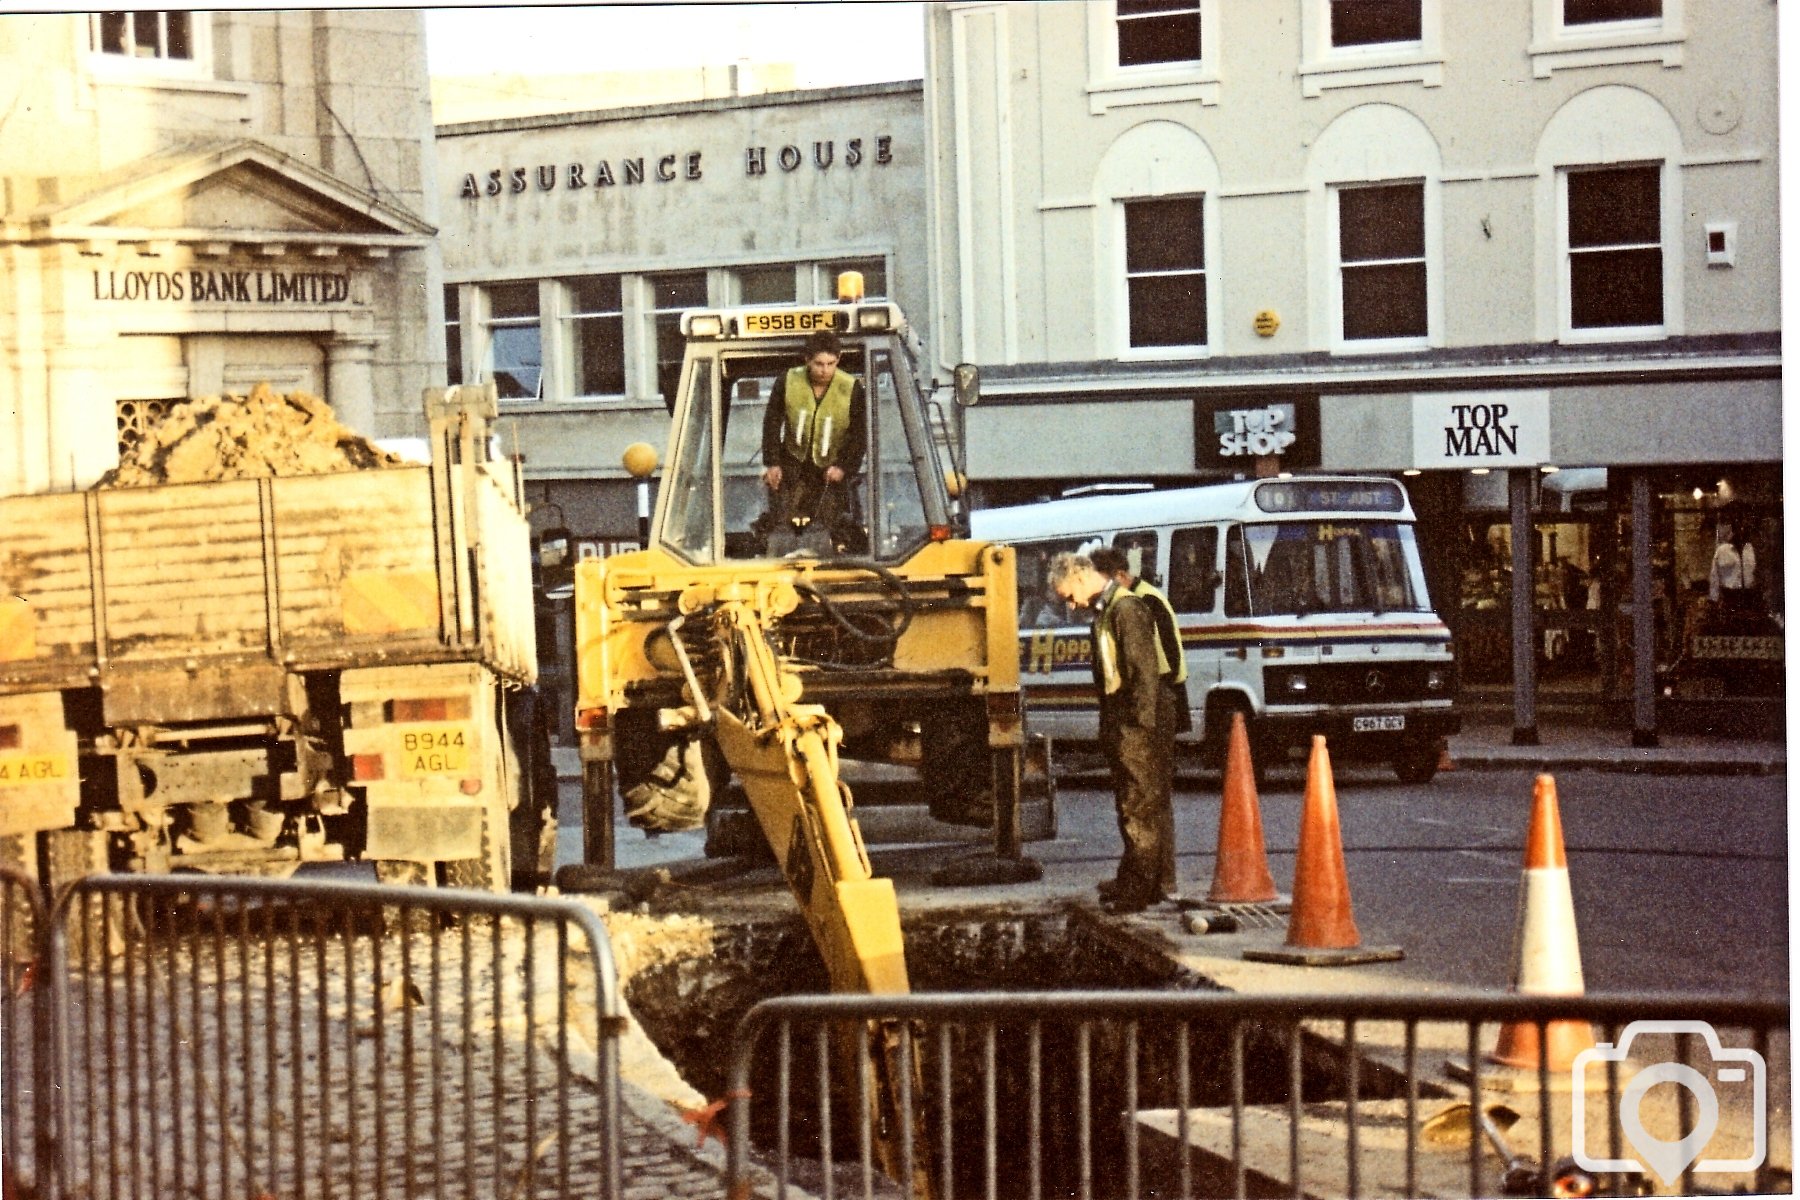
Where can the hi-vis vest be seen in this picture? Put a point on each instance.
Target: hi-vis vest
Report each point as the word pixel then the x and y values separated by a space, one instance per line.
pixel 1171 661
pixel 815 431
pixel 1106 644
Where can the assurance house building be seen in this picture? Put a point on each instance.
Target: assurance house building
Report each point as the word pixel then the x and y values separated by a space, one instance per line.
pixel 196 202
pixel 572 243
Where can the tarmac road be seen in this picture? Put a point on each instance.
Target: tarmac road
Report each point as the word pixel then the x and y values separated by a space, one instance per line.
pixel 1680 881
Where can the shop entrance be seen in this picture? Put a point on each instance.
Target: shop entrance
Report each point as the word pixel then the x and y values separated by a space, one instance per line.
pixel 1576 556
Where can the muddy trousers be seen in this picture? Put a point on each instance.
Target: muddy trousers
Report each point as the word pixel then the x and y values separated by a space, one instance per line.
pixel 1142 762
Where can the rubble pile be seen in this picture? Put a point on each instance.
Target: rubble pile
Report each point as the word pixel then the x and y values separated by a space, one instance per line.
pixel 246 437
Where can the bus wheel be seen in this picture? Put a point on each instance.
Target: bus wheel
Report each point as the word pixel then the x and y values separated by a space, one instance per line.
pixel 1216 739
pixel 1417 762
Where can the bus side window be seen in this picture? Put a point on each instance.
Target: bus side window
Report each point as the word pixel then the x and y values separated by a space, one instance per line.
pixel 1193 573
pixel 1038 607
pixel 1140 550
pixel 1237 574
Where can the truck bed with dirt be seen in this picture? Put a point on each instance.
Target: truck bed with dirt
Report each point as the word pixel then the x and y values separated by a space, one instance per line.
pixel 247 673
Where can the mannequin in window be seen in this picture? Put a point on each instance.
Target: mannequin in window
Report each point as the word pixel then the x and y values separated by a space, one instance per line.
pixel 1732 582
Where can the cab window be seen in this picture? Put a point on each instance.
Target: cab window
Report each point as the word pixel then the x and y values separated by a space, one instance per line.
pixel 688 516
pixel 896 508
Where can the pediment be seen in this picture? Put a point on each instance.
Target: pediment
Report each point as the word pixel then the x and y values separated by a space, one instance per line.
pixel 239 190
pixel 247 197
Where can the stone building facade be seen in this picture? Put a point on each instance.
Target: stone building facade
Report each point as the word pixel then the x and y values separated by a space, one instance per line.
pixel 195 202
pixel 1524 255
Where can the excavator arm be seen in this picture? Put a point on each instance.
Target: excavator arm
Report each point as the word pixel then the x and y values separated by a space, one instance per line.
pixel 786 756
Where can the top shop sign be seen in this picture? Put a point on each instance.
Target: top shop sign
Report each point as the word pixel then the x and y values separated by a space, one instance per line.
pixel 687 166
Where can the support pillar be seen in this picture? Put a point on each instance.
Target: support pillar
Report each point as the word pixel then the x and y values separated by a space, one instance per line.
pixel 1643 617
pixel 350 382
pixel 1524 597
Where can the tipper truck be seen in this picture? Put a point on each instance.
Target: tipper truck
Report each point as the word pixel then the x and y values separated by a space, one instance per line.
pixel 240 675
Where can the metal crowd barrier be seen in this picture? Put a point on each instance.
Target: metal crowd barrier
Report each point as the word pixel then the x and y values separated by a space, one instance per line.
pixel 259 1038
pixel 25 1022
pixel 1142 1093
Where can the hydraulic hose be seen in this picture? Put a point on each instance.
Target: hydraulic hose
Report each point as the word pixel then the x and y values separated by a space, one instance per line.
pixel 890 581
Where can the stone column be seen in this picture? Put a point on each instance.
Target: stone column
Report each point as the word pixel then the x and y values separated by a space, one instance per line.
pixel 1524 599
pixel 82 422
pixel 350 382
pixel 1643 617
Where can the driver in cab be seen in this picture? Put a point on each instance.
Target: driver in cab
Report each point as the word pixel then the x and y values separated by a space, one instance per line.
pixel 813 442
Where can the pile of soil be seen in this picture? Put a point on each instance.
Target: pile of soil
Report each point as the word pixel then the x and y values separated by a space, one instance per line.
pixel 246 437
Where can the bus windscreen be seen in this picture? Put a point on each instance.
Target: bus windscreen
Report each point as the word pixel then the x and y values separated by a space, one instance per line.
pixel 1306 567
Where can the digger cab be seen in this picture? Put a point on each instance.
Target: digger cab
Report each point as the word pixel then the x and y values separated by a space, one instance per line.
pixel 714 506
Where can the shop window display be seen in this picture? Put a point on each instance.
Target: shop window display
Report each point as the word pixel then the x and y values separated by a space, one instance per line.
pixel 1716 587
pixel 1719 567
pixel 1568 593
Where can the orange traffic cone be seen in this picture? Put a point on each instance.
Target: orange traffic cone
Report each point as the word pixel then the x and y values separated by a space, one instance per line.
pixel 1547 952
pixel 1241 868
pixel 1321 928
pixel 1445 761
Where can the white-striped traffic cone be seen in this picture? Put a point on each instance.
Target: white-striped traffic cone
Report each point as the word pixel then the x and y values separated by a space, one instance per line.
pixel 1547 951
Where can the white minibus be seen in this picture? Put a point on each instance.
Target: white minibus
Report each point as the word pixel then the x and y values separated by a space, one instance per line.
pixel 1301 603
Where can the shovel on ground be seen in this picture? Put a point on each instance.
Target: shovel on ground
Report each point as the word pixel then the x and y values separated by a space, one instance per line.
pixel 1520 1174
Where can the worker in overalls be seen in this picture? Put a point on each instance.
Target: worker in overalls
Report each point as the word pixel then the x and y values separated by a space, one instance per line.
pixel 1171 664
pixel 813 444
pixel 1137 728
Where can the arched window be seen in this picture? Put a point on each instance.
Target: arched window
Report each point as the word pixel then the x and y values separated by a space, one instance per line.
pixel 1156 202
pixel 1374 222
pixel 1608 206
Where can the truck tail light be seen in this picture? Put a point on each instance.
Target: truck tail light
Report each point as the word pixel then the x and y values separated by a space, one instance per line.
pixel 591 718
pixel 9 737
pixel 365 768
pixel 441 708
pixel 471 787
pixel 940 533
pixel 1003 711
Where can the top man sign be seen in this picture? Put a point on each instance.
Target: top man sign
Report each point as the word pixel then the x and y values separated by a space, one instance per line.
pixel 1481 429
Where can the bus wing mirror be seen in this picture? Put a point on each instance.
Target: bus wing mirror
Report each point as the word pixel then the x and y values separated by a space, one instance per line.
pixel 967 385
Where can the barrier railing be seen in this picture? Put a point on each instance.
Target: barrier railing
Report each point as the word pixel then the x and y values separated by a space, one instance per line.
pixel 27 1143
pixel 1129 1094
pixel 246 1037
